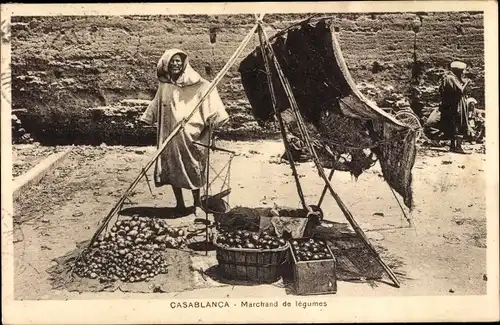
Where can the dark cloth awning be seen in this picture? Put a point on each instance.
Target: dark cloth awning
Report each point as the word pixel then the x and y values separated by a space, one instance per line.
pixel 328 99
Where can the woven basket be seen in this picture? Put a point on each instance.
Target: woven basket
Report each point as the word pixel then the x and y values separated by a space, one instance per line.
pixel 251 265
pixel 217 207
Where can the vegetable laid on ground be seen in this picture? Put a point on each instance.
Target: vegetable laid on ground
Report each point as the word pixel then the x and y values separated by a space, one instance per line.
pixel 131 251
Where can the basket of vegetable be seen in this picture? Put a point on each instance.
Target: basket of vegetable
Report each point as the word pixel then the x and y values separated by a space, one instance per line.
pixel 313 267
pixel 215 205
pixel 251 256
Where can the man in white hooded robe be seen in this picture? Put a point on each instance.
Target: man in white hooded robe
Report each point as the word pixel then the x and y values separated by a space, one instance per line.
pixel 182 164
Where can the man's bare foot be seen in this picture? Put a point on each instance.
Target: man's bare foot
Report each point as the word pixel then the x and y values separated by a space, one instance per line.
pixel 181 210
pixel 198 212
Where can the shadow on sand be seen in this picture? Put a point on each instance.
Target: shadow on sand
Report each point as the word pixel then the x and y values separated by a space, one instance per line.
pixel 157 212
pixel 215 274
pixel 201 246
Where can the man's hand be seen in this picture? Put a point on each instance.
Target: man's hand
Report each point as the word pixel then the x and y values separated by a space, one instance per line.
pixel 205 132
pixel 466 82
pixel 143 122
pixel 214 140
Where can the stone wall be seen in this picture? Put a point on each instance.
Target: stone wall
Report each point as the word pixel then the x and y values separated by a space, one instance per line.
pixel 63 66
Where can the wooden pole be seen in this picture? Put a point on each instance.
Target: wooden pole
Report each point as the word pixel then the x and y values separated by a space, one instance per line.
pixel 174 132
pixel 207 189
pixel 340 203
pixel 358 229
pixel 323 193
pixel 401 206
pixel 278 117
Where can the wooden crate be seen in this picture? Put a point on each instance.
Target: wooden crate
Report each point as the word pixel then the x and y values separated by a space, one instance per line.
pixel 314 277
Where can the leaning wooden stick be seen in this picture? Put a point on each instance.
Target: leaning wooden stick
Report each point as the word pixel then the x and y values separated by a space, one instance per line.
pixel 278 117
pixel 174 132
pixel 207 189
pixel 323 193
pixel 214 148
pixel 401 207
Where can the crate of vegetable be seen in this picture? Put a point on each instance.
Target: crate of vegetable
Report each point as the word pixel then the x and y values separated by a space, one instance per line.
pixel 313 267
pixel 251 256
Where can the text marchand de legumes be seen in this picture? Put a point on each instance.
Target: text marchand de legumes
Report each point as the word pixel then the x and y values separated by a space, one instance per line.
pixel 246 304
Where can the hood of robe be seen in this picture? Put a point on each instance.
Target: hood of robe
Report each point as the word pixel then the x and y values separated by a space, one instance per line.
pixel 187 76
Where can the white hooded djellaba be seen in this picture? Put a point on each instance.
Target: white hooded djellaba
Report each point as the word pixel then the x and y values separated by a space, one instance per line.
pixel 182 163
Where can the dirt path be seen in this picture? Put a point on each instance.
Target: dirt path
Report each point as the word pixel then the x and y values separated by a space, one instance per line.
pixel 444 254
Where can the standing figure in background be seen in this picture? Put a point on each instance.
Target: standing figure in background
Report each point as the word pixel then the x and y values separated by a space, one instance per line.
pixel 454 116
pixel 183 163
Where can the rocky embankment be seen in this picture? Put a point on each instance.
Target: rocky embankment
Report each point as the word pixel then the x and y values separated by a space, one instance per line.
pixel 66 69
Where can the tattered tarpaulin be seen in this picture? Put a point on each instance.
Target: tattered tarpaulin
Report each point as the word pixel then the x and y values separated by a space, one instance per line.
pixel 340 119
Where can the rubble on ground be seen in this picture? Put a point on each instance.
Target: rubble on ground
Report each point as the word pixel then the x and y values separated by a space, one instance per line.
pixel 19 133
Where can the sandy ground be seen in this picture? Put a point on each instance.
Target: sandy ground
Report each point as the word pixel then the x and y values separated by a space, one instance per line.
pixel 444 254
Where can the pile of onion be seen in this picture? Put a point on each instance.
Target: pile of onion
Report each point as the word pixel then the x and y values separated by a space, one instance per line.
pixel 131 251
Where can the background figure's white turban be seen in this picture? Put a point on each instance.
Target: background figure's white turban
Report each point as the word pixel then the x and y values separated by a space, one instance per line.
pixel 471 100
pixel 458 65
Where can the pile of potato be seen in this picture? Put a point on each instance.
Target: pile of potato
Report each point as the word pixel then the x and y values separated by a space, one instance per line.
pixel 19 134
pixel 131 251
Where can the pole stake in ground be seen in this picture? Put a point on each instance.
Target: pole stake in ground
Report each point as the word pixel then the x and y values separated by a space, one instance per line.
pixel 149 185
pixel 207 188
pixel 325 188
pixel 401 207
pixel 279 118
